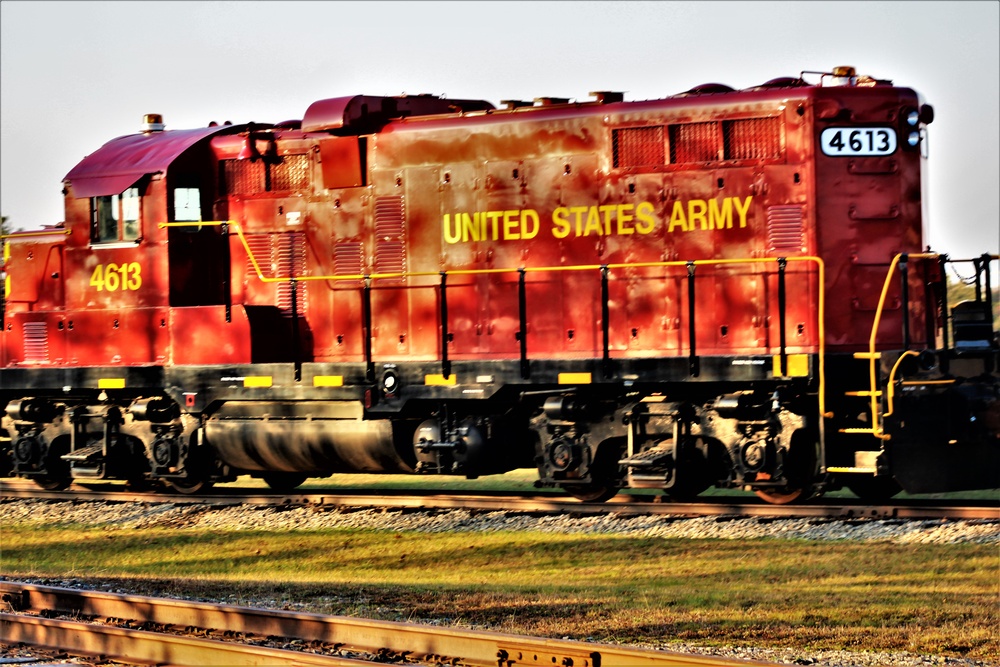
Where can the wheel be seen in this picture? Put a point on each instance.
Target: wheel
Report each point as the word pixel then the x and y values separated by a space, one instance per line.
pixel 697 468
pixel 592 493
pixel 284 481
pixel 873 489
pixel 783 496
pixel 605 474
pixel 188 486
pixel 53 483
pixel 800 471
pixel 142 485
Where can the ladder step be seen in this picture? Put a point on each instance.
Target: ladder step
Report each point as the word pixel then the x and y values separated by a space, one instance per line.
pixel 84 454
pixel 648 459
pixel 867 355
pixel 863 393
pixel 853 470
pixel 867 431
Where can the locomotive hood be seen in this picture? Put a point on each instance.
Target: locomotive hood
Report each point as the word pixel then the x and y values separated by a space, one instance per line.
pixel 121 162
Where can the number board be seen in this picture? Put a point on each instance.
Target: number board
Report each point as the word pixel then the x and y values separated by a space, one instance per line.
pixel 858 141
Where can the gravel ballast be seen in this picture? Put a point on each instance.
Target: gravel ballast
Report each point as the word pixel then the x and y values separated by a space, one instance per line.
pixel 120 516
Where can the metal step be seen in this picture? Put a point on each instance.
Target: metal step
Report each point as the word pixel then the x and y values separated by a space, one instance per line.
pixel 647 459
pixel 85 454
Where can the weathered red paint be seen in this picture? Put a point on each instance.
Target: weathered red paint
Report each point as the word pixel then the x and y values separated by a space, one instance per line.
pixel 487 190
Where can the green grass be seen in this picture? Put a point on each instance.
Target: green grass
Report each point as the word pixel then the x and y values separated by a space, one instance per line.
pixel 939 599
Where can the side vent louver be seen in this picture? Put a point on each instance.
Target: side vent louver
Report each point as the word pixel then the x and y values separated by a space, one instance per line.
pixel 280 255
pixel 348 260
pixel 784 228
pixel 36 342
pixel 390 244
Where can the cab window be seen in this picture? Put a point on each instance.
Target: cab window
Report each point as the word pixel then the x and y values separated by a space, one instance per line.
pixel 187 204
pixel 116 217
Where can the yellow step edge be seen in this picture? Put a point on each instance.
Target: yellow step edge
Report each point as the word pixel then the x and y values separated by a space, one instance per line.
pixel 867 355
pixel 870 471
pixel 869 431
pixel 863 393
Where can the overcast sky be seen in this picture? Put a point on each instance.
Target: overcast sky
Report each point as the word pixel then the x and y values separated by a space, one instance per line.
pixel 74 75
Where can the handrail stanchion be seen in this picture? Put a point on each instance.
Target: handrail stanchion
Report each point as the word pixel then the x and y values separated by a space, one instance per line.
pixel 693 362
pixel 522 308
pixel 445 363
pixel 605 325
pixel 782 308
pixel 366 315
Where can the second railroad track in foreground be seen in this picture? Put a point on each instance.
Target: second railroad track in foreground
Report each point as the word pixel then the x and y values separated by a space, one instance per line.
pixel 144 630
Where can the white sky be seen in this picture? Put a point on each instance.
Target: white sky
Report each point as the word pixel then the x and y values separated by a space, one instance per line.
pixel 74 75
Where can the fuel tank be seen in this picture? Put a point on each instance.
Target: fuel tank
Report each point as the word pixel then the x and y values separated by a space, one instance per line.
pixel 316 437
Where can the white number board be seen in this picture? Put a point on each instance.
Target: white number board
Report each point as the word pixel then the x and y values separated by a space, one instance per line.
pixel 855 141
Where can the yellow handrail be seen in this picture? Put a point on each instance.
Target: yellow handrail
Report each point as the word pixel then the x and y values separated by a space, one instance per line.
pixel 17 235
pixel 877 430
pixel 818 261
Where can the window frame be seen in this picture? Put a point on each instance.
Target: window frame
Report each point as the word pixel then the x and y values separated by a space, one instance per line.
pixel 116 205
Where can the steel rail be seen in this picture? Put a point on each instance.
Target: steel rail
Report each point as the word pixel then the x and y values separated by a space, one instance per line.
pixel 428 644
pixel 154 648
pixel 625 505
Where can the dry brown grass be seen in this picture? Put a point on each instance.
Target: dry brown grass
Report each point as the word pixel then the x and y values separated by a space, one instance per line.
pixel 938 599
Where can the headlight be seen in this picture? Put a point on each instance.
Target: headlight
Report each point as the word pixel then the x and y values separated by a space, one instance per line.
pixel 913 117
pixel 913 138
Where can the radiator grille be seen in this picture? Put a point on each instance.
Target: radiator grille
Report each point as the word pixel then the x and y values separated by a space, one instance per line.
pixel 249 177
pixel 242 177
pixel 639 147
pixel 292 173
pixel 36 342
pixel 695 142
pixel 784 227
pixel 752 139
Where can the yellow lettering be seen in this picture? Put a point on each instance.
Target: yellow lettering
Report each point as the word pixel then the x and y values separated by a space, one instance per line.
pixel 720 219
pixel 622 216
pixel 509 225
pixel 696 211
pixel 113 277
pixel 677 218
pixel 470 228
pixel 494 217
pixel 607 210
pixel 646 224
pixel 741 210
pixel 449 235
pixel 560 225
pixel 578 211
pixel 593 222
pixel 529 215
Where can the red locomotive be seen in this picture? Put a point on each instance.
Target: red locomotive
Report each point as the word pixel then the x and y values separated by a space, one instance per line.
pixel 722 287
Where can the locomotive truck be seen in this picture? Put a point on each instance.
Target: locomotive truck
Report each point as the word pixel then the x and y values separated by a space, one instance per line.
pixel 722 288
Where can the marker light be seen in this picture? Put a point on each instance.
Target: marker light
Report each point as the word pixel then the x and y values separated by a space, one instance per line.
pixel 913 139
pixel 913 117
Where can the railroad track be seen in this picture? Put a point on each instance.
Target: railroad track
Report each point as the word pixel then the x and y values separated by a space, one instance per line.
pixel 145 630
pixel 526 503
